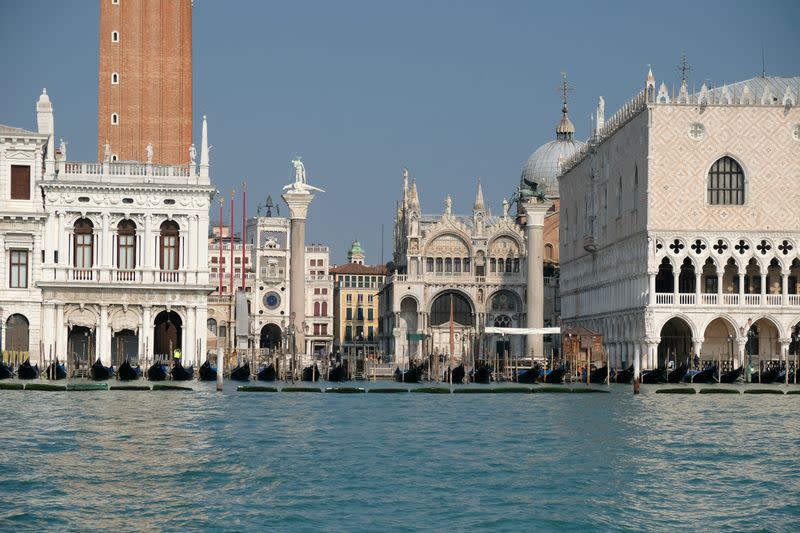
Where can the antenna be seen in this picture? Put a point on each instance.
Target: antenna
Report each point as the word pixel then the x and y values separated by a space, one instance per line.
pixel 763 61
pixel 684 67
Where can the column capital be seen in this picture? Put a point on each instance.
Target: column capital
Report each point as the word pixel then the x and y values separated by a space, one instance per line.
pixel 535 211
pixel 785 341
pixel 298 203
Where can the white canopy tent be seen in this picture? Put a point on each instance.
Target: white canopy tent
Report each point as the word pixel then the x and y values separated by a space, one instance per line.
pixel 523 331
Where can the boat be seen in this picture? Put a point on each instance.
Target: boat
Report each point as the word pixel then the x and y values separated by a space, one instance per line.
pixel 599 375
pixel 675 376
pixel 207 372
pixel 311 373
pixel 267 373
pixel 555 375
pixel 458 375
pixel 654 377
pixel 241 372
pixel 623 376
pixel 528 375
pixel 126 372
pixel 732 376
pixel 338 372
pixel 26 371
pixel 768 376
pixel 157 371
pixel 481 374
pixel 98 372
pixel 181 373
pixel 412 375
pixel 707 375
pixel 5 371
pixel 56 371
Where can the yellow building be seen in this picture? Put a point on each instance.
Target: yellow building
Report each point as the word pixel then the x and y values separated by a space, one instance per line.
pixel 356 287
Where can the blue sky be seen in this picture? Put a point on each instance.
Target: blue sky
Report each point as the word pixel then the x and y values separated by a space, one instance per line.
pixel 454 90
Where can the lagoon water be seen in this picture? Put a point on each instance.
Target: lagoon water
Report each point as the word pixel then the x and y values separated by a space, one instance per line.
pixel 234 461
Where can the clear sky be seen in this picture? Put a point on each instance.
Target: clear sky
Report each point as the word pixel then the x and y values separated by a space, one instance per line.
pixel 454 90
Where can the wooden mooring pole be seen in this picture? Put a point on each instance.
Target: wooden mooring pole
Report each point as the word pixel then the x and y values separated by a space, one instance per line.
pixel 220 368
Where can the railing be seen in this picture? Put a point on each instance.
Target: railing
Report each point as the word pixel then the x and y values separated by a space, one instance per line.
pixel 319 278
pixel 126 275
pixel 91 170
pixel 709 299
pixel 730 299
pixel 752 299
pixel 774 299
pixel 665 298
pixel 82 274
pixel 687 298
pixel 168 276
pixel 794 299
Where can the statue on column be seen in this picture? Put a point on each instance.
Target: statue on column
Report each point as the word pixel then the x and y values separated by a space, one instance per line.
pixel 192 154
pixel 300 182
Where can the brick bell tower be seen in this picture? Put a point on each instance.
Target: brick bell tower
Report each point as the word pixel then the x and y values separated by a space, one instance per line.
pixel 145 80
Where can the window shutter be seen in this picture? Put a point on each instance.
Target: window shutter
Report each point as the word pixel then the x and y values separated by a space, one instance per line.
pixel 20 182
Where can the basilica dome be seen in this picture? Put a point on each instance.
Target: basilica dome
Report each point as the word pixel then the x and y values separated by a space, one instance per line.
pixel 544 165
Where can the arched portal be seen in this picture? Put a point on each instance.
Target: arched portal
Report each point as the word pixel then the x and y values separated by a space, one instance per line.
pixel 17 334
pixel 664 279
pixel 409 326
pixel 168 334
pixel 270 337
pixel 676 342
pixel 762 342
pixel 125 345
pixel 719 343
pixel 459 306
pixel 80 347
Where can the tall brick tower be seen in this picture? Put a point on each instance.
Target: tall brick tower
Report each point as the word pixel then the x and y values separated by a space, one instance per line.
pixel 145 79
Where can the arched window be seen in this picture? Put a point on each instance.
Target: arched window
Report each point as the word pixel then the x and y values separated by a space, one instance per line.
pixel 83 249
pixel 170 245
pixel 548 252
pixel 126 245
pixel 114 119
pixel 316 309
pixel 726 182
pixel 440 310
pixel 324 308
pixel 17 333
pixel 211 324
pixel 114 78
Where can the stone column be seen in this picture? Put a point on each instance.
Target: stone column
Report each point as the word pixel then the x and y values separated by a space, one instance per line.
pixel 189 347
pixel 298 202
pixel 697 291
pixel 535 210
pixel 741 343
pixel 763 288
pixel 200 328
pixel 60 347
pixel 102 338
pixel 697 345
pixel 676 287
pixel 651 298
pixel 785 287
pixel 147 271
pixel 637 361
pixel 47 329
pixel 652 352
pixel 741 288
pixel 785 358
pixel 147 331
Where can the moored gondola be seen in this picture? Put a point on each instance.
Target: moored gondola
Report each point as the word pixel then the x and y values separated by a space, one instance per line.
pixel 181 373
pixel 338 372
pixel 599 375
pixel 481 374
pixel 311 373
pixel 241 372
pixel 56 371
pixel 654 377
pixel 207 372
pixel 555 375
pixel 126 372
pixel 412 375
pixel 26 371
pixel 675 376
pixel 157 371
pixel 623 376
pixel 457 375
pixel 732 376
pixel 707 375
pixel 267 373
pixel 528 375
pixel 5 371
pixel 98 372
pixel 768 376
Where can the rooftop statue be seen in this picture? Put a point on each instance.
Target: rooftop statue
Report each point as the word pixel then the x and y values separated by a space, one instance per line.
pixel 192 154
pixel 300 182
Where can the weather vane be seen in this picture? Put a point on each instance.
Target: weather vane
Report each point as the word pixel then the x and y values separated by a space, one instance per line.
pixel 684 67
pixel 564 88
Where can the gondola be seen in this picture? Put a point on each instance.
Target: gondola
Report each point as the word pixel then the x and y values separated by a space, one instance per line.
pixel 412 375
pixel 5 371
pixel 311 373
pixel 528 375
pixel 338 372
pixel 126 372
pixel 98 372
pixel 623 376
pixel 267 373
pixel 26 371
pixel 675 376
pixel 732 376
pixel 157 371
pixel 599 375
pixel 207 372
pixel 181 373
pixel 707 375
pixel 555 375
pixel 654 377
pixel 481 374
pixel 56 371
pixel 241 372
pixel 457 375
pixel 768 376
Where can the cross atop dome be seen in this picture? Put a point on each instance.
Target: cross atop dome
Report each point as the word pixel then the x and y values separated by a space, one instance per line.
pixel 565 128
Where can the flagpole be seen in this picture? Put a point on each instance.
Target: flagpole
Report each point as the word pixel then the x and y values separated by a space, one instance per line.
pixel 452 341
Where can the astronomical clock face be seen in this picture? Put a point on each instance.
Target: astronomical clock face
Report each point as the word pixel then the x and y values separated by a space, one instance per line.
pixel 272 300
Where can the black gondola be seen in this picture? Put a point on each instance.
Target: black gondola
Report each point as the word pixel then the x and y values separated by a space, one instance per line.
pixel 207 372
pixel 26 371
pixel 528 375
pixel 157 371
pixel 412 375
pixel 126 372
pixel 56 371
pixel 552 376
pixel 267 373
pixel 732 376
pixel 181 373
pixel 338 372
pixel 768 376
pixel 5 371
pixel 675 376
pixel 599 375
pixel 623 376
pixel 654 377
pixel 457 375
pixel 707 375
pixel 481 374
pixel 311 373
pixel 98 372
pixel 241 372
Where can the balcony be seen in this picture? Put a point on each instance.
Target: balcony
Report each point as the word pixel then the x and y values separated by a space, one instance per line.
pixel 121 172
pixel 713 299
pixel 99 275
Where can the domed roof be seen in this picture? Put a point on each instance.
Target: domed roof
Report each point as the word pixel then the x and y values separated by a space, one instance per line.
pixel 544 164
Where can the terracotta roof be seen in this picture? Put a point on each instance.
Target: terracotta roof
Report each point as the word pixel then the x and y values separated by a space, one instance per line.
pixel 355 268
